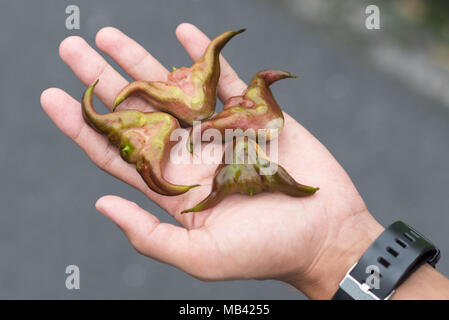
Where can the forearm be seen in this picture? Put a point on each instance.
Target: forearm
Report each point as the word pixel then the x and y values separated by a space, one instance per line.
pixel 322 279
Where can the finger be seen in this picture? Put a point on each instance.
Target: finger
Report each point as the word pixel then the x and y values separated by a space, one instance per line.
pixel 88 65
pixel 184 249
pixel 66 114
pixel 195 42
pixel 132 57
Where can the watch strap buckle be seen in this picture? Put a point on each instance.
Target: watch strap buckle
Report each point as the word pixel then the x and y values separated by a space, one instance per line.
pixel 358 290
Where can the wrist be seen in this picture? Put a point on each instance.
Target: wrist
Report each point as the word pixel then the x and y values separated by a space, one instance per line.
pixel 340 252
pixel 425 283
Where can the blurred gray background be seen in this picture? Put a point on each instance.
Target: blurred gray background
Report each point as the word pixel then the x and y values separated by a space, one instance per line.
pixel 390 137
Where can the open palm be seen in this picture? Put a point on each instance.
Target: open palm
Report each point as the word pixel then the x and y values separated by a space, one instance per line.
pixel 265 236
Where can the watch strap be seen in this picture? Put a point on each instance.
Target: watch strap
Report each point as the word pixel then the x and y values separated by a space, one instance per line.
pixel 395 254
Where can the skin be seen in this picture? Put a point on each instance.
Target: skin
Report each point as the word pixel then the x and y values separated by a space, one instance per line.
pixel 189 93
pixel 255 109
pixel 248 174
pixel 142 137
pixel 307 242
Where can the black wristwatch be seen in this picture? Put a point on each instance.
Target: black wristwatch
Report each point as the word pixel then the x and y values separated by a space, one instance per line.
pixel 397 252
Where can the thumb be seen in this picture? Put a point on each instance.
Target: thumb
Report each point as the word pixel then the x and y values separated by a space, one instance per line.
pixel 182 248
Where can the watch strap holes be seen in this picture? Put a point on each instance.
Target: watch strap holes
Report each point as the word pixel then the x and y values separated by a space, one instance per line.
pixel 383 262
pixel 401 243
pixel 393 252
pixel 415 234
pixel 409 237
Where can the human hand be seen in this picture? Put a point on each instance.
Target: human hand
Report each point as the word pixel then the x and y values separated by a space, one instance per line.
pixel 266 236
